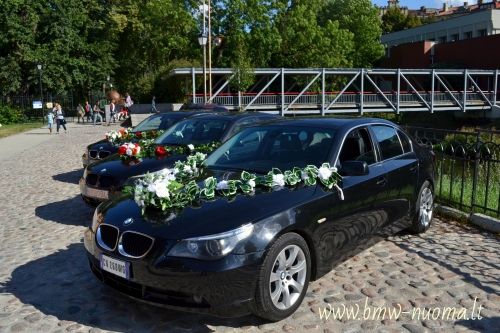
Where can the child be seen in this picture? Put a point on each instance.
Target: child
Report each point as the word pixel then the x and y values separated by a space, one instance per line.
pixel 50 121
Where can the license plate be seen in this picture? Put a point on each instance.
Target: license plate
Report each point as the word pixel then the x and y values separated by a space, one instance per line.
pixel 117 267
pixel 97 193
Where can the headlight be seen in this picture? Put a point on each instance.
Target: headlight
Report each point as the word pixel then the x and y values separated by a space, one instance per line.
pixel 211 247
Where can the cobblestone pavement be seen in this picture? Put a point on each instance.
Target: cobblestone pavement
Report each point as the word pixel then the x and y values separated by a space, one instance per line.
pixel 46 285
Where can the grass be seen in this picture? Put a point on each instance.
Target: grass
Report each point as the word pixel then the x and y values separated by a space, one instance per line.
pixel 7 130
pixel 450 190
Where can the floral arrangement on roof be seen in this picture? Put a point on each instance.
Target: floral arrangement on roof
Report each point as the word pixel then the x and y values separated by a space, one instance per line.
pixel 115 137
pixel 175 188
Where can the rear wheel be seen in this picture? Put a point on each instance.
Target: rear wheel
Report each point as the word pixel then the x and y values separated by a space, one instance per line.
pixel 283 279
pixel 424 209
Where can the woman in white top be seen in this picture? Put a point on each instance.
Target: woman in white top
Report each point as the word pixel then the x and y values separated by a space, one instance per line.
pixel 60 118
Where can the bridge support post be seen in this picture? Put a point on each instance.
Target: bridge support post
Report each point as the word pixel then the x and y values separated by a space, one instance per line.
pixel 323 93
pixel 465 89
pixel 399 91
pixel 362 91
pixel 432 91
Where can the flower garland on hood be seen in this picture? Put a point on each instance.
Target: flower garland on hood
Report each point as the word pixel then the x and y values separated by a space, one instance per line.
pixel 175 188
pixel 146 148
pixel 115 137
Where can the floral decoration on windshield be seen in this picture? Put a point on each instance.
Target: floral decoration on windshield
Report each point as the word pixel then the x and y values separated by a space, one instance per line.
pixel 147 148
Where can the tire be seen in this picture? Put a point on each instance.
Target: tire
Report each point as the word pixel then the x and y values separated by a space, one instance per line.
pixel 424 210
pixel 282 283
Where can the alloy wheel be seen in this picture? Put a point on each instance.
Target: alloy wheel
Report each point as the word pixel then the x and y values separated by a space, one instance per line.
pixel 426 207
pixel 288 277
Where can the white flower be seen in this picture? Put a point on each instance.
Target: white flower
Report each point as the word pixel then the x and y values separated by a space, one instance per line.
pixel 303 175
pixel 251 182
pixel 191 147
pixel 222 185
pixel 138 149
pixel 128 152
pixel 278 180
pixel 324 173
pixel 187 168
pixel 140 202
pixel 162 190
pixel 176 171
pixel 131 146
pixel 152 187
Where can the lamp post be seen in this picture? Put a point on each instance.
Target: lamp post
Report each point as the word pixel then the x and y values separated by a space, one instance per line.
pixel 39 65
pixel 202 39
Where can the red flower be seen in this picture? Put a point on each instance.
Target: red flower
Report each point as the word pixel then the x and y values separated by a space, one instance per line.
pixel 107 138
pixel 160 151
pixel 153 132
pixel 122 150
pixel 136 150
pixel 139 135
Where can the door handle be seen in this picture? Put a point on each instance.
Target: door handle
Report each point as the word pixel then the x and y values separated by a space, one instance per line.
pixel 414 168
pixel 381 181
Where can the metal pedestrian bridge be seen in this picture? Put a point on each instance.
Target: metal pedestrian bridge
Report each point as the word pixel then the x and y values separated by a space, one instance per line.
pixel 330 90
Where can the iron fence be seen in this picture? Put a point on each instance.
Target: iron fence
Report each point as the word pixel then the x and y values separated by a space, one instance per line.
pixel 469 167
pixel 67 101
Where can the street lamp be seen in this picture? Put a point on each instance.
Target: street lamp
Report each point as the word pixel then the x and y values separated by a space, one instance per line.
pixel 202 39
pixel 39 65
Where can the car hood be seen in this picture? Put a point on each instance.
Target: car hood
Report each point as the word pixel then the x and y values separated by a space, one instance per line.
pixel 104 144
pixel 114 166
pixel 204 217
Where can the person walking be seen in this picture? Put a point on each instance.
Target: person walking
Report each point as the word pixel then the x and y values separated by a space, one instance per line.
pixel 97 113
pixel 60 118
pixel 128 100
pixel 50 121
pixel 88 111
pixel 112 112
pixel 79 110
pixel 153 105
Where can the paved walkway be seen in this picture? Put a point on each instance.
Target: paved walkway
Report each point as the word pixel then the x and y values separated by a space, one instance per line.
pixel 46 285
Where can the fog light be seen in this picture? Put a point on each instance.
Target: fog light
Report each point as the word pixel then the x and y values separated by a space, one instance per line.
pixel 198 299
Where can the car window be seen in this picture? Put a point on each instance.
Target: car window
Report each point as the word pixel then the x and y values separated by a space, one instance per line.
pixel 405 141
pixel 194 130
pixel 265 147
pixel 357 146
pixel 241 125
pixel 388 140
pixel 155 123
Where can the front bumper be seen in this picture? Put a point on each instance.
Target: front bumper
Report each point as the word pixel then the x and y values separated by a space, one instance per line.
pixel 223 288
pixel 94 196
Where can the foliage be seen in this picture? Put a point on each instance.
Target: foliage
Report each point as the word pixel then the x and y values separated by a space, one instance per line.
pixel 137 43
pixel 10 114
pixel 244 75
pixel 362 19
pixel 395 20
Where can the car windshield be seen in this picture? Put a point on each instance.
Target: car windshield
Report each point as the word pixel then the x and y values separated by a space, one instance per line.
pixel 154 122
pixel 194 130
pixel 259 149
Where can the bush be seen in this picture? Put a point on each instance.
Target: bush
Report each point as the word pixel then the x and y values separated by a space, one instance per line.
pixel 10 114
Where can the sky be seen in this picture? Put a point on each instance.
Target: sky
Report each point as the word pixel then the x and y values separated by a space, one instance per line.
pixel 416 4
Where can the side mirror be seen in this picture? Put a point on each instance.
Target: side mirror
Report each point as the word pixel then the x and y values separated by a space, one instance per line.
pixel 355 168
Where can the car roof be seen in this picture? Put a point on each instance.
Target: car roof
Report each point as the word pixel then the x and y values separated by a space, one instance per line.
pixel 233 116
pixel 335 122
pixel 182 114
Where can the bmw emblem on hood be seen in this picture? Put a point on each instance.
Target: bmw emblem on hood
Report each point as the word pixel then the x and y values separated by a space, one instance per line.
pixel 128 221
pixel 103 170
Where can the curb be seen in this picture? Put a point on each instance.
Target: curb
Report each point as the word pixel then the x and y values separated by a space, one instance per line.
pixel 484 221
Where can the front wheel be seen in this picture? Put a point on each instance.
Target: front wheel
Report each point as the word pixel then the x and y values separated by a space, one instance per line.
pixel 424 209
pixel 283 278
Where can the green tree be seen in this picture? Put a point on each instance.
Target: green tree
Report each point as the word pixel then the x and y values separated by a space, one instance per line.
pixel 305 43
pixel 362 19
pixel 393 20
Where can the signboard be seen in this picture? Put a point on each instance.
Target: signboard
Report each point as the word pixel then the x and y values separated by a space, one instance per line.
pixel 49 105
pixel 37 105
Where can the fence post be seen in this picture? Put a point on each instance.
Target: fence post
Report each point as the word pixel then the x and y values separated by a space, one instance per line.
pixel 477 158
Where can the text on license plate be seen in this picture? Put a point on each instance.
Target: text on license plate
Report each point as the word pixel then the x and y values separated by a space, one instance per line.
pixel 117 267
pixel 97 193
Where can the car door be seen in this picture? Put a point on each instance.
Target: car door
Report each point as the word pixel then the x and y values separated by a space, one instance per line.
pixel 401 165
pixel 363 211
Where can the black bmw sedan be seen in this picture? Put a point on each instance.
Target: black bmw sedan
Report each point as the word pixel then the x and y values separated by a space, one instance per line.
pixel 161 121
pixel 106 178
pixel 274 207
